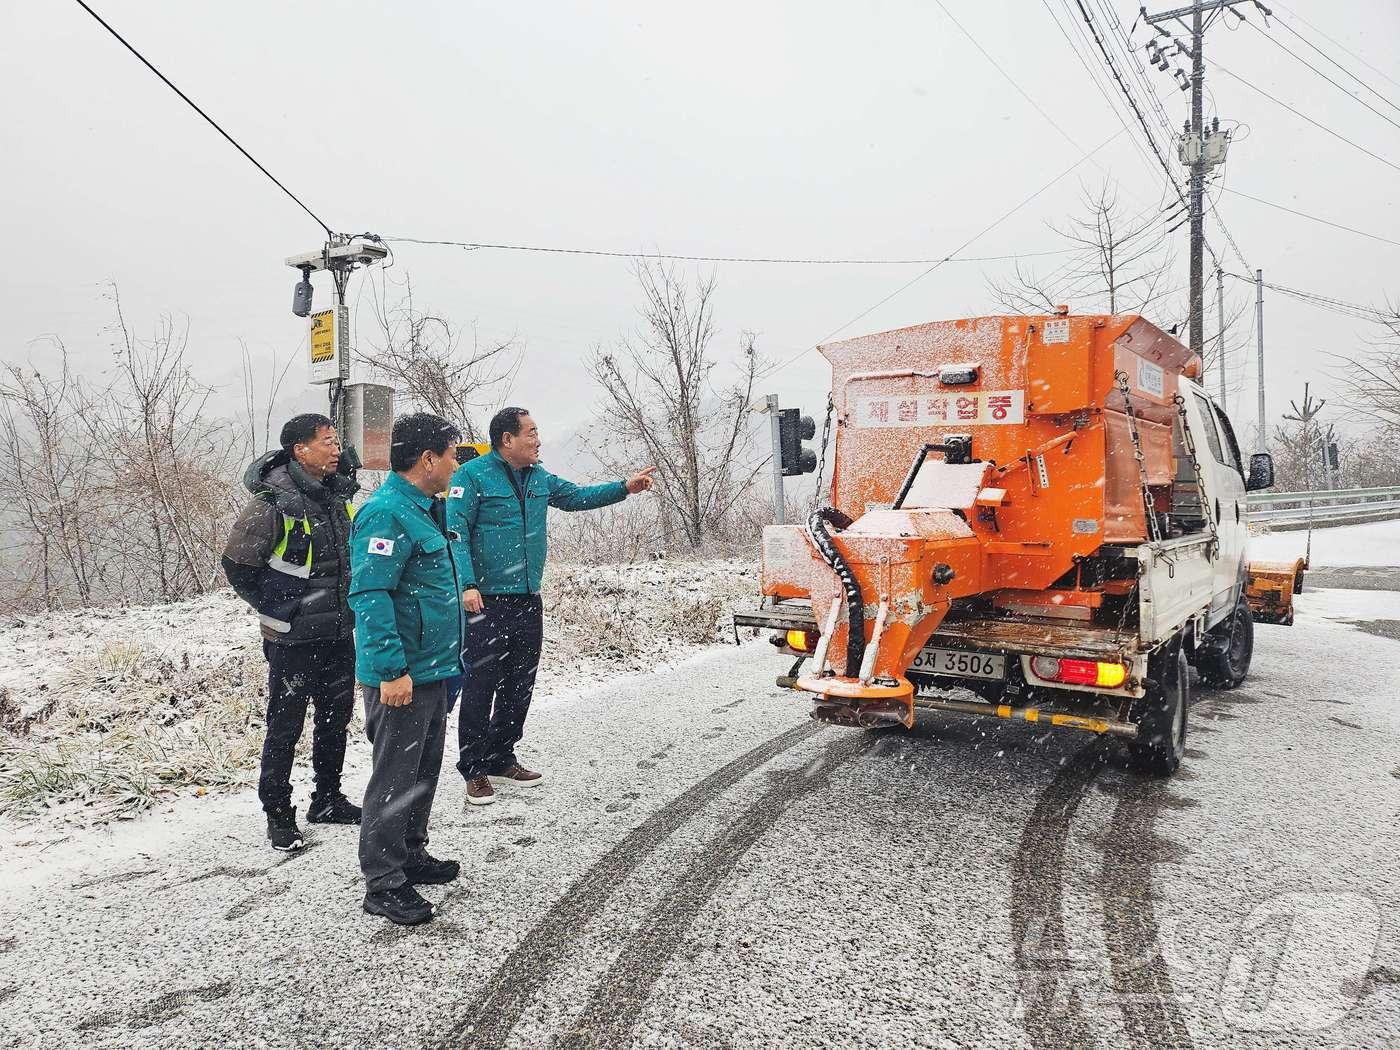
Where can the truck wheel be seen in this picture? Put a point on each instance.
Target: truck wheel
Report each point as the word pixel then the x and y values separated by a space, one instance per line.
pixel 1224 660
pixel 1161 714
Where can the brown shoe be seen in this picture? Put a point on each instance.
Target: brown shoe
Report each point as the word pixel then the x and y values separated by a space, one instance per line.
pixel 520 776
pixel 479 792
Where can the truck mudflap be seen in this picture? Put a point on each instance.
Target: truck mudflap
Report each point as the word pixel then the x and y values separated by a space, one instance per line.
pixel 1270 587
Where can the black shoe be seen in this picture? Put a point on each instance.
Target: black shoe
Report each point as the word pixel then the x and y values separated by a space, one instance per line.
pixel 402 905
pixel 282 830
pixel 334 810
pixel 429 871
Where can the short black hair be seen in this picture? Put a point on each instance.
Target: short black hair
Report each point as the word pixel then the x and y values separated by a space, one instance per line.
pixel 506 421
pixel 418 433
pixel 303 428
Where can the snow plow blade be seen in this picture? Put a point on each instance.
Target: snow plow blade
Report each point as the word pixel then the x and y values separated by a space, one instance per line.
pixel 1270 587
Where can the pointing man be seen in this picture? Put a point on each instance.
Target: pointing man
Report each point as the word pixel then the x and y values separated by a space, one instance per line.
pixel 408 624
pixel 496 507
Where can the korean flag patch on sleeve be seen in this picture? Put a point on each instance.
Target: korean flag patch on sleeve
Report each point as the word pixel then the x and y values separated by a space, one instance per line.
pixel 455 492
pixel 381 546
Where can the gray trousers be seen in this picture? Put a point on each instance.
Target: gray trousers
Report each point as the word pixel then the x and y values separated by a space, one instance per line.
pixel 407 743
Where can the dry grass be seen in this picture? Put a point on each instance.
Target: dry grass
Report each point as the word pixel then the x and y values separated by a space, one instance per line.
pixel 130 726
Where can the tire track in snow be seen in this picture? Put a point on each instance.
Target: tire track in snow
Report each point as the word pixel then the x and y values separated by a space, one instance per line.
pixel 1142 984
pixel 1054 1017
pixel 626 988
pixel 530 965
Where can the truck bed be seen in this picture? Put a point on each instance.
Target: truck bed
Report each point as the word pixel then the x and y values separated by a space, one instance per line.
pixel 1039 636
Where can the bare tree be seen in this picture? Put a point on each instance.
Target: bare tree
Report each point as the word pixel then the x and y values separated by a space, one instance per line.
pixel 659 405
pixel 1370 381
pixel 120 491
pixel 46 466
pixel 1298 445
pixel 423 356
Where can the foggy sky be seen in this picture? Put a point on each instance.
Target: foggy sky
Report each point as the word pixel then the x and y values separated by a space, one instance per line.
pixel 792 129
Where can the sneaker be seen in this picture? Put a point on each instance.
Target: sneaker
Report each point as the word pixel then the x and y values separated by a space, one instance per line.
pixel 282 830
pixel 403 905
pixel 335 810
pixel 519 775
pixel 427 870
pixel 479 792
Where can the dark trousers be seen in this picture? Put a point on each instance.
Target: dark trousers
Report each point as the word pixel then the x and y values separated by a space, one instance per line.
pixel 407 745
pixel 501 655
pixel 321 674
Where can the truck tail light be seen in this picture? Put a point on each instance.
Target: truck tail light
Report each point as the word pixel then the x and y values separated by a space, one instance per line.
pixel 802 641
pixel 1079 672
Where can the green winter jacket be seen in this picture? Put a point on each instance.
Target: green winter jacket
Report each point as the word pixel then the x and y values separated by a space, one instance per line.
pixel 498 514
pixel 404 588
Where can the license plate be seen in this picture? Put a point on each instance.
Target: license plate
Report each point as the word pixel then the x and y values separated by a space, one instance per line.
pixel 958 664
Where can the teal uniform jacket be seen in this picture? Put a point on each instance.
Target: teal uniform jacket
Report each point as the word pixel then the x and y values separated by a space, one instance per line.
pixel 498 514
pixel 405 588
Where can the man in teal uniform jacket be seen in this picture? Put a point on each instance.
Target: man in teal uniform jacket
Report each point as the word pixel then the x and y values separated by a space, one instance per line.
pixel 496 508
pixel 406 593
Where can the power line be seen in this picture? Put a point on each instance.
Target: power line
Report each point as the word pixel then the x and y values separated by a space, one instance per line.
pixel 967 243
pixel 1343 68
pixel 1278 101
pixel 1132 101
pixel 212 122
pixel 1314 218
pixel 1341 45
pixel 1274 40
pixel 1366 313
pixel 472 245
pixel 1098 85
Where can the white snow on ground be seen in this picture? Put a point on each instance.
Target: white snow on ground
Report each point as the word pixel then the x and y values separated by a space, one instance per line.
pixel 706 868
pixel 105 713
pixel 1375 543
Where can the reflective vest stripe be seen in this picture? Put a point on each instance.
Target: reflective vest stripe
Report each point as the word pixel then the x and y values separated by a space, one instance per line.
pixel 278 563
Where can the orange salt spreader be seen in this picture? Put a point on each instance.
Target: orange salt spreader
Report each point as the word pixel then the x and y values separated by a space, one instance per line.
pixel 975 459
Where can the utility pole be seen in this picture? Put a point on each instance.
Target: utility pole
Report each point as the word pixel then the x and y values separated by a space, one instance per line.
pixel 1220 339
pixel 1259 334
pixel 1198 183
pixel 1199 149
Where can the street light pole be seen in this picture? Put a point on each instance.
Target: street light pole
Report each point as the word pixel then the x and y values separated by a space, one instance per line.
pixel 1259 331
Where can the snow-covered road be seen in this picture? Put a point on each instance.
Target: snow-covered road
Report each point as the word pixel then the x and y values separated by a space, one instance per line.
pixel 706 867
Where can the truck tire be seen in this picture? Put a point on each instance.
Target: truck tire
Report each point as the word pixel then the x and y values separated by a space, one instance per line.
pixel 1224 659
pixel 1160 744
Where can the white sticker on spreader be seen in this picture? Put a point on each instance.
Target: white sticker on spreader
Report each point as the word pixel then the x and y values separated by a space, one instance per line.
pixel 455 492
pixel 1150 378
pixel 1056 331
pixel 378 546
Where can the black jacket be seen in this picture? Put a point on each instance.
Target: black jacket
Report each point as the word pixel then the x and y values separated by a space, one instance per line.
pixel 288 553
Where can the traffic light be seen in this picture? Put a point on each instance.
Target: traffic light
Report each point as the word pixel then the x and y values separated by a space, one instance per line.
pixel 793 429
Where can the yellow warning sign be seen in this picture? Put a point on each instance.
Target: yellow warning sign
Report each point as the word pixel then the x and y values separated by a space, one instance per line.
pixel 322 337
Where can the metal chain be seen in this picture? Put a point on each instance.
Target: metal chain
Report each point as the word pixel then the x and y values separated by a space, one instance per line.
pixel 1149 510
pixel 1190 444
pixel 821 456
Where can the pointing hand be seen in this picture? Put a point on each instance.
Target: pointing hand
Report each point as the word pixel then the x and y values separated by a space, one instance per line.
pixel 640 481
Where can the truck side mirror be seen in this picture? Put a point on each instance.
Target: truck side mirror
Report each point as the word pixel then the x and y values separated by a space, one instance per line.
pixel 1261 472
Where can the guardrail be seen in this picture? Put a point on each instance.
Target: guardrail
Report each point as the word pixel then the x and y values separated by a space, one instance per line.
pixel 1324 504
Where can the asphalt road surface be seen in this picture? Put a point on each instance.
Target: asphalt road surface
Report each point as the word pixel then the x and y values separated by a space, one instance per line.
pixel 706 867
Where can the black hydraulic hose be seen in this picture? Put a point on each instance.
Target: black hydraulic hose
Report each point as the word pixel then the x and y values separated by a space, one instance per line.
pixel 855 604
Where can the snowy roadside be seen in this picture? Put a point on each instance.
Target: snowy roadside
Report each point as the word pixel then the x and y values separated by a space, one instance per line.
pixel 107 713
pixel 1373 543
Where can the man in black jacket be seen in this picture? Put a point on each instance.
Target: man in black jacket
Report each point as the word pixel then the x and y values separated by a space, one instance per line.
pixel 288 557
